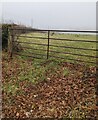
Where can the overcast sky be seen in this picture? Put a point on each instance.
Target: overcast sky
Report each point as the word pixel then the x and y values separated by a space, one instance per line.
pixel 62 15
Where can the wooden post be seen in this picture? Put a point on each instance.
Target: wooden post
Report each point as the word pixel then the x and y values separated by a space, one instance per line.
pixel 10 43
pixel 48 45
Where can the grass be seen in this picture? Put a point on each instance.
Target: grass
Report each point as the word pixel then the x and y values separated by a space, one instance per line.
pixel 20 69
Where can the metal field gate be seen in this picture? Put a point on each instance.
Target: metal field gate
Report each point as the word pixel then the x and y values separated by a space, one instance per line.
pixel 57 44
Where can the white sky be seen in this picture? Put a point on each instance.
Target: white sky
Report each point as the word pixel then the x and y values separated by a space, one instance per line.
pixel 53 15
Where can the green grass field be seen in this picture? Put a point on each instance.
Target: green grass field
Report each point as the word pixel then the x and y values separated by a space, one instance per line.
pixel 76 44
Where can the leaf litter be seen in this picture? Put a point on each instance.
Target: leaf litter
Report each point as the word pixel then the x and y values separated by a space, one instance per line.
pixel 59 95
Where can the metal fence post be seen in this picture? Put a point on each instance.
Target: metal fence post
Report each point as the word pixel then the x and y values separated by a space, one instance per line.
pixel 48 45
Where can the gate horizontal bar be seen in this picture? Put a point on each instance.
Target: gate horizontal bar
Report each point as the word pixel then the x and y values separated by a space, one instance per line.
pixel 75 54
pixel 75 48
pixel 31 43
pixel 33 53
pixel 34 48
pixel 28 56
pixel 73 40
pixel 63 52
pixel 53 30
pixel 34 37
pixel 61 39
pixel 54 57
pixel 72 59
pixel 57 46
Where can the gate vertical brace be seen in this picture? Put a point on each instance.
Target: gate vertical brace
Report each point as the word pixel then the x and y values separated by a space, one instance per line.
pixel 48 45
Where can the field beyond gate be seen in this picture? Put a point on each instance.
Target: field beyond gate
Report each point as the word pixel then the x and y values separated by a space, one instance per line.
pixel 57 44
